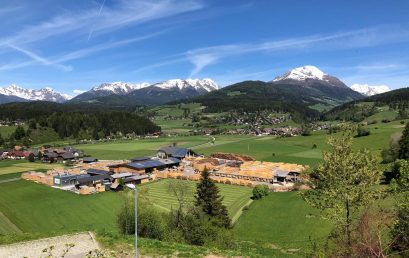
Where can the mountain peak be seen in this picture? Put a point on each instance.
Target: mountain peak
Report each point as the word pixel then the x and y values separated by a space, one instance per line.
pixel 46 94
pixel 303 73
pixel 198 84
pixel 369 90
pixel 120 88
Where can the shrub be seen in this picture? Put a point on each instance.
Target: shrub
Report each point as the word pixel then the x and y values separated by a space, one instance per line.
pixel 361 131
pixel 402 122
pixel 385 120
pixel 314 146
pixel 260 191
pixel 31 157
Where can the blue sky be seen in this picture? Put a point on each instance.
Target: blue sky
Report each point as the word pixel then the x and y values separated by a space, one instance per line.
pixel 75 45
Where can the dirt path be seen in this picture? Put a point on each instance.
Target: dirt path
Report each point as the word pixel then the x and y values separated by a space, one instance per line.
pixel 9 180
pixel 81 244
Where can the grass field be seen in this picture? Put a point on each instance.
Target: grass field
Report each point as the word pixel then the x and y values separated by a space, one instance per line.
pixel 297 149
pixel 36 208
pixel 5 131
pixel 281 219
pixel 134 148
pixel 235 197
pixel 18 166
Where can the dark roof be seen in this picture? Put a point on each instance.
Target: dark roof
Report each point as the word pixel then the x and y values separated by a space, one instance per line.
pixel 93 178
pixel 67 176
pixel 94 171
pixel 146 164
pixel 68 155
pixel 50 155
pixel 140 159
pixel 89 159
pixel 134 178
pixel 174 151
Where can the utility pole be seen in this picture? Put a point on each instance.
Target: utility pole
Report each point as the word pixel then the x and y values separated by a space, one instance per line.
pixel 136 221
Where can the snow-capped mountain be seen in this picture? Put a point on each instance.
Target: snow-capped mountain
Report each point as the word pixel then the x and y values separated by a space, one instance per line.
pixel 303 73
pixel 120 88
pixel 146 93
pixel 197 84
pixel 107 89
pixel 369 90
pixel 323 86
pixel 44 94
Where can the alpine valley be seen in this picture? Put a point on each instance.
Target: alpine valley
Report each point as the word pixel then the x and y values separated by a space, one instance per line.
pixel 304 92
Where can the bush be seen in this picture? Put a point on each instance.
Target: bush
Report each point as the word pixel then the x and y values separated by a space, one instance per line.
pixel 385 120
pixel 361 131
pixel 402 122
pixel 260 191
pixel 314 146
pixel 31 157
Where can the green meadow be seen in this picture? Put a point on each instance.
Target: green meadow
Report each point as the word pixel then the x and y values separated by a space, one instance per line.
pixel 282 219
pixel 18 166
pixel 298 149
pixel 234 197
pixel 36 208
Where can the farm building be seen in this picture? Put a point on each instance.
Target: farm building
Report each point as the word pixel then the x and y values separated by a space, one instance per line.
pixel 93 180
pixel 89 160
pixel 145 166
pixel 67 179
pixel 174 152
pixel 49 156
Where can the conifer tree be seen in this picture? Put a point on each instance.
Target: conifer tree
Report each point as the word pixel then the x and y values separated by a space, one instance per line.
pixel 404 144
pixel 209 200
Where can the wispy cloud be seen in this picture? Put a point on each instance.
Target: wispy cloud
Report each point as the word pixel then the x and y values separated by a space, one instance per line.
pixel 370 37
pixel 99 13
pixel 40 59
pixel 120 15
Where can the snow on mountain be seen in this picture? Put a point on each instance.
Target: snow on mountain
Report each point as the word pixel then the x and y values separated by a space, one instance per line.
pixel 369 90
pixel 197 84
pixel 120 88
pixel 45 94
pixel 303 73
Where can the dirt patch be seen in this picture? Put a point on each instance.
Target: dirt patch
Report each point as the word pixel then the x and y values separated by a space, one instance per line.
pixel 231 156
pixel 78 245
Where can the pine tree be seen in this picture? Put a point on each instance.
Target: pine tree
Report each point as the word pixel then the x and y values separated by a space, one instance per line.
pixel 209 200
pixel 404 144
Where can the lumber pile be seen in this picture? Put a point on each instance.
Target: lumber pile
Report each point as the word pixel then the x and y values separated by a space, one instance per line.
pixel 39 177
pixel 231 156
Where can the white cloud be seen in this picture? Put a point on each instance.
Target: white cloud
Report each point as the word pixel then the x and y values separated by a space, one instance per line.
pixel 40 59
pixel 77 92
pixel 369 37
pixel 122 14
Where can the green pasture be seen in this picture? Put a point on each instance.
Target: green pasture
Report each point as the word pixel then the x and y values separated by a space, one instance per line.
pixel 234 197
pixel 18 166
pixel 282 220
pixel 5 131
pixel 134 148
pixel 298 149
pixel 36 208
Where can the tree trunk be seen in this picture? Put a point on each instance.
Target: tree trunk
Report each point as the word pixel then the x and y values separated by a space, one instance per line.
pixel 348 226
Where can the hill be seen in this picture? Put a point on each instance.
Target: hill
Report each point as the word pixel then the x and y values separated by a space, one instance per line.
pixel 395 101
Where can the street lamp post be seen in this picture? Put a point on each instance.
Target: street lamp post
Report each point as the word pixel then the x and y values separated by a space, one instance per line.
pixel 136 222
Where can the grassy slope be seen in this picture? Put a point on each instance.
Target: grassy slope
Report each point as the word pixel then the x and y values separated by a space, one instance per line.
pixel 131 149
pixel 5 131
pixel 282 219
pixel 17 166
pixel 235 197
pixel 294 149
pixel 38 208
